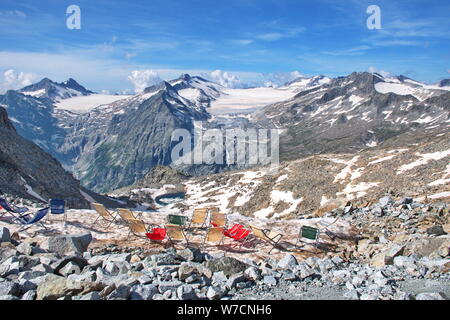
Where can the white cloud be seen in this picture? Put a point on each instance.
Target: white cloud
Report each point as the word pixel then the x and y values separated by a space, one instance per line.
pixel 231 80
pixel 381 72
pixel 274 36
pixel 223 78
pixel 13 80
pixel 142 79
pixel 271 36
pixel 243 41
pixel 12 13
pixel 277 79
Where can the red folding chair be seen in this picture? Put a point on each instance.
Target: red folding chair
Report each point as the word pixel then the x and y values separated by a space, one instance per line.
pixel 157 234
pixel 238 233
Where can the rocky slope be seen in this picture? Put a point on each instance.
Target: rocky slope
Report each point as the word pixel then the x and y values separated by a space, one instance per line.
pixel 401 254
pixel 27 171
pixel 415 163
pixel 351 113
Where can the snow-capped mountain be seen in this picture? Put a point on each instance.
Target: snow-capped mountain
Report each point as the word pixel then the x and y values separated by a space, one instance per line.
pixel 197 90
pixel 403 86
pixel 305 83
pixel 122 141
pixel 116 143
pixel 48 89
pixel 444 83
pixel 354 112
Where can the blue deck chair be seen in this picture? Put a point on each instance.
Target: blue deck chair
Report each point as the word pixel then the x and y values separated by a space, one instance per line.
pixel 13 211
pixel 58 206
pixel 28 220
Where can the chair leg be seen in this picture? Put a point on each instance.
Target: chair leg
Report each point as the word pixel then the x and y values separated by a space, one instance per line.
pixel 93 223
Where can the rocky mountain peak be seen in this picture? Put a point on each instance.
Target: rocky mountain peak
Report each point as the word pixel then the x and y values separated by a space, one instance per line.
pixel 4 120
pixel 444 83
pixel 54 91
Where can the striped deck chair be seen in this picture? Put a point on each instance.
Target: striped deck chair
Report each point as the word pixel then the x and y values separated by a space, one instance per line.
pixel 218 219
pixel 127 214
pixel 27 220
pixel 199 218
pixel 238 233
pixel 137 228
pixel 104 214
pixel 140 230
pixel 271 237
pixel 176 233
pixel 213 210
pixel 214 235
pixel 15 212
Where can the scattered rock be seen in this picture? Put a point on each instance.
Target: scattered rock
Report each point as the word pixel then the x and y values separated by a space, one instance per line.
pixel 5 236
pixel 70 244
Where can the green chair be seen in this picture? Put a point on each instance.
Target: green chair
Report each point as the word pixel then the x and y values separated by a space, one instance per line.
pixel 308 233
pixel 176 220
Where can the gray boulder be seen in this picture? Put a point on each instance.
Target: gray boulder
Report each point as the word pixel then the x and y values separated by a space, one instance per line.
pixel 186 292
pixel 143 292
pixel 9 288
pixel 122 292
pixel 5 235
pixel 69 265
pixel 228 265
pixel 288 262
pixel 214 293
pixel 75 244
pixel 431 296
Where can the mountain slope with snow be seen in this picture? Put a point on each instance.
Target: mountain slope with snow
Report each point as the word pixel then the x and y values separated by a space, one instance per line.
pixel 349 114
pixel 414 164
pixel 48 89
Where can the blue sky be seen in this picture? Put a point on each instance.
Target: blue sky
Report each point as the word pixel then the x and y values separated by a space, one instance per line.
pixel 251 40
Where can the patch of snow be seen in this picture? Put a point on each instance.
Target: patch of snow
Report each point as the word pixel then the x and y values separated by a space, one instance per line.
pixel 347 170
pixel 425 158
pixel 238 100
pixel 381 160
pixel 31 192
pixel 82 104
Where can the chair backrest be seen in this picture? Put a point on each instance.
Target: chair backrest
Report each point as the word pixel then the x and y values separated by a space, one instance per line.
pixel 126 214
pixel 137 226
pixel 175 232
pixel 218 219
pixel 259 233
pixel 241 234
pixel 214 235
pixel 262 234
pixel 233 230
pixel 38 216
pixel 177 220
pixel 5 205
pixel 309 233
pixel 57 206
pixel 199 215
pixel 213 210
pixel 101 210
